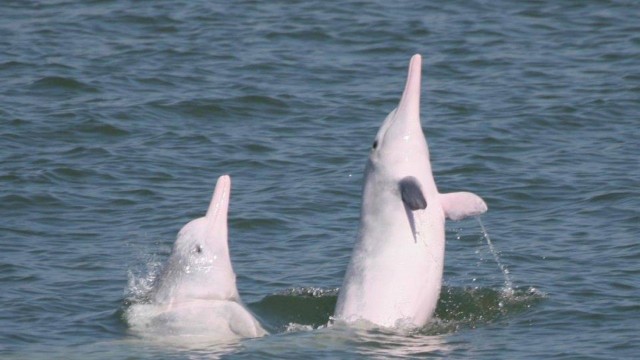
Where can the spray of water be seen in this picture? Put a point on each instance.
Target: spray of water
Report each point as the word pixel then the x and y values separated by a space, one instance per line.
pixel 508 284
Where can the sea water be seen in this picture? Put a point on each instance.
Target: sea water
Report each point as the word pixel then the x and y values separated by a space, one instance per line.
pixel 118 116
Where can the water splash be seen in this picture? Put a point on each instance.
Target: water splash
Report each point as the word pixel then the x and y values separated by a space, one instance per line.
pixel 508 284
pixel 141 276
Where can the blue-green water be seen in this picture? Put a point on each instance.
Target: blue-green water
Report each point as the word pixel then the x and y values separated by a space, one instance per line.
pixel 118 116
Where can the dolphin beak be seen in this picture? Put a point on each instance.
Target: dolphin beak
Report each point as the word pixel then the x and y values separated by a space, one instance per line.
pixel 409 107
pixel 217 212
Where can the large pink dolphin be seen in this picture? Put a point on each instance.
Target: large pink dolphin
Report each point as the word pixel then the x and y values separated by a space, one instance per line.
pixel 395 273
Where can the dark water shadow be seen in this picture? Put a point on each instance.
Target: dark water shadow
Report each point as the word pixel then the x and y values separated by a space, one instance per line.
pixel 463 307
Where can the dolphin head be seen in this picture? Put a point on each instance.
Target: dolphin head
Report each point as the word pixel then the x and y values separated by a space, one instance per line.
pixel 400 148
pixel 199 266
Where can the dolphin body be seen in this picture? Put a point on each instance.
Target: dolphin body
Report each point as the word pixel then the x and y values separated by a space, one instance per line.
pixel 195 295
pixel 395 273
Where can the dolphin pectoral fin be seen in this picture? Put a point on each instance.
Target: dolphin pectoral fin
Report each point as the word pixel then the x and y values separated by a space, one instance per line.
pixel 411 193
pixel 412 222
pixel 459 205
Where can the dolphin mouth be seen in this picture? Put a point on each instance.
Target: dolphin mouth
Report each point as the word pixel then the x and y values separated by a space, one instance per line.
pixel 404 120
pixel 409 106
pixel 220 200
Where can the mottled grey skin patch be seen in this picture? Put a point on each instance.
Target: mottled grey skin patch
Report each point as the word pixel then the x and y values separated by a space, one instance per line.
pixel 411 193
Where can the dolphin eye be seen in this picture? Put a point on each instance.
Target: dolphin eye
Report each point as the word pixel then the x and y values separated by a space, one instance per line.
pixel 198 249
pixel 375 144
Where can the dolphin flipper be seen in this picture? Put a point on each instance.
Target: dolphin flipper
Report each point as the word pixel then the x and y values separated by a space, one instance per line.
pixel 411 193
pixel 459 205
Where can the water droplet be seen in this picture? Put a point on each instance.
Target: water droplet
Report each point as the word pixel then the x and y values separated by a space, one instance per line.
pixel 508 284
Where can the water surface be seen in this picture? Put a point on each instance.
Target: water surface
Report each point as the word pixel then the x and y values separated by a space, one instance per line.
pixel 117 118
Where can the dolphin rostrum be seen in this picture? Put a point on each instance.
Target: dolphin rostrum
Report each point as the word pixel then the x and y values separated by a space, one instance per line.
pixel 395 273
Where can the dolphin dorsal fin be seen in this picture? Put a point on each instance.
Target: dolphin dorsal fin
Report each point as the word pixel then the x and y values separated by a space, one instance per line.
pixel 459 205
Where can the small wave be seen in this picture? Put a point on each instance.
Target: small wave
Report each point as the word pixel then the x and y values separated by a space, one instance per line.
pixel 306 35
pixel 223 107
pixel 101 128
pixel 71 174
pixel 198 108
pixel 261 100
pixel 80 151
pixel 301 306
pixel 14 65
pixel 61 83
pixel 471 307
pixel 20 200
pixel 10 273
